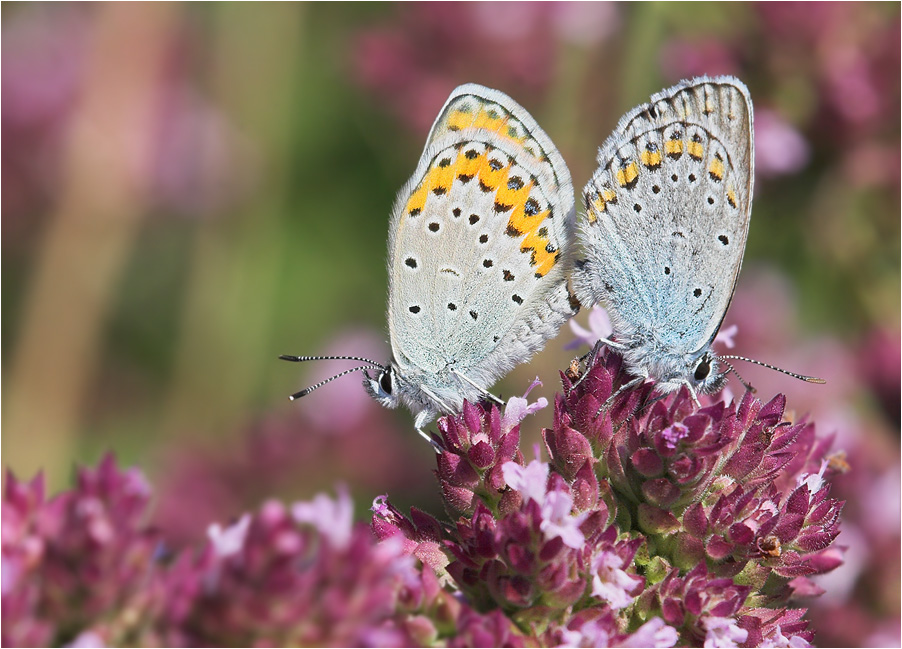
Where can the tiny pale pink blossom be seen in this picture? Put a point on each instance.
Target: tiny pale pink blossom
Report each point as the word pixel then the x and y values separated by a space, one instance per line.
pixel 814 481
pixel 722 632
pixel 611 583
pixel 333 518
pixel 518 408
pixel 726 335
pixel 88 639
pixel 230 540
pixel 777 639
pixel 530 480
pixel 599 327
pixel 557 521
pixel 590 634
pixel 653 633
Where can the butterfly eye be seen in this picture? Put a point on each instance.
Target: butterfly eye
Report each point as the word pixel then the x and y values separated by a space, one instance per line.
pixel 703 369
pixel 385 381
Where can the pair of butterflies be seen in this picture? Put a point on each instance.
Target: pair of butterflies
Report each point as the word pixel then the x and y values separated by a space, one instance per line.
pixel 483 245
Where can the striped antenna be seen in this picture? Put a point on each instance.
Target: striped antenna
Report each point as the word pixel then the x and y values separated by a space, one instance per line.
pixel 801 377
pixel 745 384
pixel 302 359
pixel 306 391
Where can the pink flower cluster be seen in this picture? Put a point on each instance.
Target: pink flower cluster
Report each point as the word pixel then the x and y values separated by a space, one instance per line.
pixel 656 522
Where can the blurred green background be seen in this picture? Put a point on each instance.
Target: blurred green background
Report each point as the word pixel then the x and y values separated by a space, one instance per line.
pixel 191 190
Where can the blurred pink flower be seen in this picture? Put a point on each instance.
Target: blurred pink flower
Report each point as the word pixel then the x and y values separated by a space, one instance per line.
pixel 413 63
pixel 779 148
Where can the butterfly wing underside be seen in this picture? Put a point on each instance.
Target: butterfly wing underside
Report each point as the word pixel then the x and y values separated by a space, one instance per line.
pixel 479 246
pixel 668 212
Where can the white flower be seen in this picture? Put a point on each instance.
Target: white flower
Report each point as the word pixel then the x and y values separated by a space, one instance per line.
pixel 333 518
pixel 531 480
pixel 722 632
pixel 230 540
pixel 653 633
pixel 611 583
pixel 557 521
pixel 518 407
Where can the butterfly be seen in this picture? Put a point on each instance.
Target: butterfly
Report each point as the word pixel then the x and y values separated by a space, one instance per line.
pixel 665 228
pixel 480 249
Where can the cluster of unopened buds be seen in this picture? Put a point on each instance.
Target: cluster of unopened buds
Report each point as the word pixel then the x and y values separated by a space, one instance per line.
pixel 655 522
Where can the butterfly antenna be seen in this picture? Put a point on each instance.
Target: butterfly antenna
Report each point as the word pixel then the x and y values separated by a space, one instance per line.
pixel 302 359
pixel 748 386
pixel 801 377
pixel 306 391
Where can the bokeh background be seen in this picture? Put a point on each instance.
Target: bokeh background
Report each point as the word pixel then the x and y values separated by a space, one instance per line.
pixel 190 190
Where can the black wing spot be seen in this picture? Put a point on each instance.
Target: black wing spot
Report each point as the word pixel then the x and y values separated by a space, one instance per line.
pixel 656 189
pixel 484 238
pixel 414 212
pixel 474 219
pixel 488 263
pixel 637 208
pixel 465 178
pixel 495 339
pixel 434 226
pixel 531 208
pixel 723 239
pixel 692 178
pixel 508 276
pixel 516 298
pixel 471 154
pixel 414 309
pixel 543 232
pixel 438 191
pixel 710 200
pixel 495 164
pixel 452 306
pixel 444 162
pixel 456 211
pixel 549 248
pixel 515 183
pixel 697 292
pixel 410 261
pixel 473 314
pixel 500 208
pixel 667 270
pixel 674 178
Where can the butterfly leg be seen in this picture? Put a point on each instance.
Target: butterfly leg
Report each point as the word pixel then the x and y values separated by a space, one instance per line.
pixel 626 386
pixel 592 354
pixel 423 418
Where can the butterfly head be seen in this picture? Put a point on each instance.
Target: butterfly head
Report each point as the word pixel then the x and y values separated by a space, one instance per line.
pixel 383 386
pixel 705 375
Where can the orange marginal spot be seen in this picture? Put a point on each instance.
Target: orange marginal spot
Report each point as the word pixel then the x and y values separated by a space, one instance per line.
pixel 437 177
pixel 628 174
pixel 543 260
pixel 673 147
pixel 731 197
pixel 469 167
pixel 517 198
pixel 716 169
pixel 696 150
pixel 650 159
pixel 458 119
pixel 490 178
pixel 417 200
pixel 490 122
